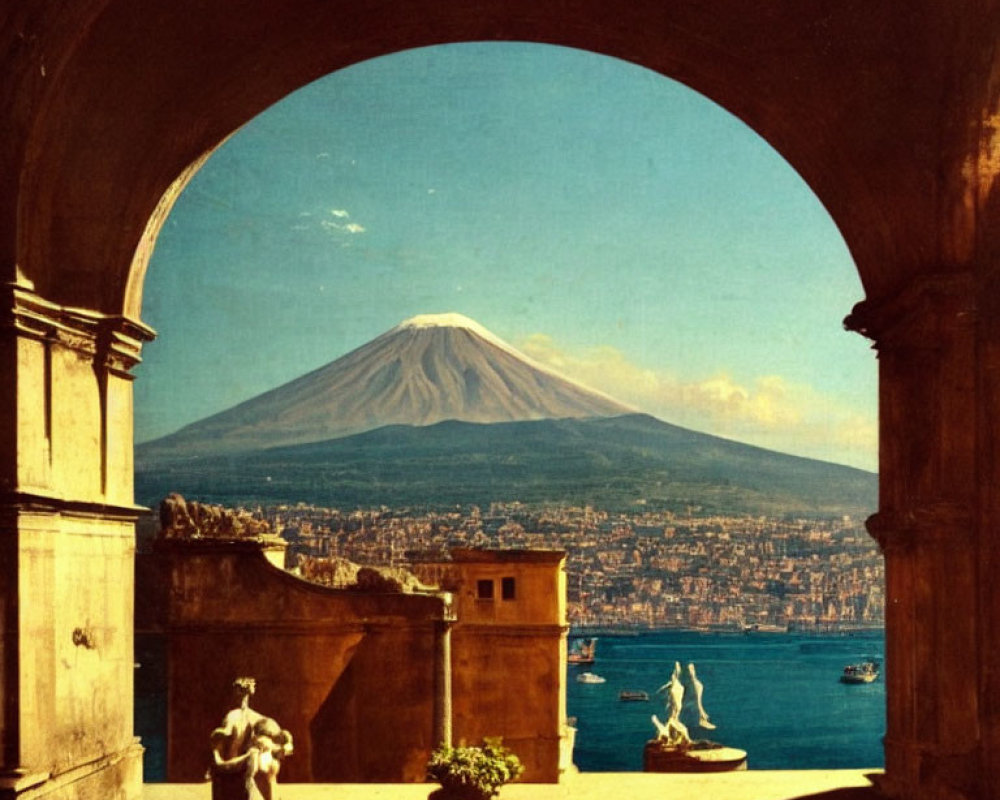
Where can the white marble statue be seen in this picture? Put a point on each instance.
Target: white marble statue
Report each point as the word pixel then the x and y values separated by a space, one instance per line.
pixel 247 750
pixel 673 730
pixel 699 689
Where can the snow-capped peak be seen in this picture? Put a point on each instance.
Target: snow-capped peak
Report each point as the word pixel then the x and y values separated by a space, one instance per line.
pixel 455 320
pixel 448 320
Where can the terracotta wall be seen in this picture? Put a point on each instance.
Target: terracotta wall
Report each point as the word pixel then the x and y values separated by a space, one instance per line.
pixel 350 675
pixel 509 654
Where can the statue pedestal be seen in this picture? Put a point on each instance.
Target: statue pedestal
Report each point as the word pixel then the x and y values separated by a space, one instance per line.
pixel 229 786
pixel 658 756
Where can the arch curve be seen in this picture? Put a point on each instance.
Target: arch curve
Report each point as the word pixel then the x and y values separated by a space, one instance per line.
pixel 147 93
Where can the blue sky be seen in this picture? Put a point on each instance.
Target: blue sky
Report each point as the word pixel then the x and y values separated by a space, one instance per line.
pixel 604 219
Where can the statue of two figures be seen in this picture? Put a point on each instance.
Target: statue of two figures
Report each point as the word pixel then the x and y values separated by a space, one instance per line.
pixel 673 731
pixel 247 751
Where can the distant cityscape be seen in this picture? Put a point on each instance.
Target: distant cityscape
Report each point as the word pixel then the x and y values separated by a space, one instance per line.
pixel 640 570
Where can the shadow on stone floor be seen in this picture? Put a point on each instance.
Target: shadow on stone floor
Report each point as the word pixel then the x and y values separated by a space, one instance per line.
pixel 845 793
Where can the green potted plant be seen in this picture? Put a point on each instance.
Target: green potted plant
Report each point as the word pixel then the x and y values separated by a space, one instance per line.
pixel 472 773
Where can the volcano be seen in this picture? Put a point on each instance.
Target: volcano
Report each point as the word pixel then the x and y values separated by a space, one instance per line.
pixel 428 369
pixel 438 411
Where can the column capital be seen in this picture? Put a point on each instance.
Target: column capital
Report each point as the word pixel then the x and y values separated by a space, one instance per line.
pixel 941 524
pixel 918 315
pixel 113 341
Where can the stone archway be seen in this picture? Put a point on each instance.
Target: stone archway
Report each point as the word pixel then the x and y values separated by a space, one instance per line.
pixel 887 110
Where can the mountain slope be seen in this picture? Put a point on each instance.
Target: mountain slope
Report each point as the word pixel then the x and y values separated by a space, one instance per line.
pixel 425 370
pixel 611 463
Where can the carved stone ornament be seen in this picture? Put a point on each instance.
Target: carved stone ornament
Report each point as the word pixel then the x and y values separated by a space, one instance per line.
pixel 181 519
pixel 927 309
pixel 935 525
pixel 113 342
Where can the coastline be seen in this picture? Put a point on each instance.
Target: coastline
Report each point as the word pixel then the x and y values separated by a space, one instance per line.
pixel 637 629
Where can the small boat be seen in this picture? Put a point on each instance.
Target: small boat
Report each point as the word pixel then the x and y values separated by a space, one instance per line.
pixel 583 651
pixel 589 677
pixel 865 672
pixel 764 628
pixel 633 695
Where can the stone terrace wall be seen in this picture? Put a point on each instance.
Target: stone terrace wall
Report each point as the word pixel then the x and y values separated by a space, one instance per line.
pixel 350 674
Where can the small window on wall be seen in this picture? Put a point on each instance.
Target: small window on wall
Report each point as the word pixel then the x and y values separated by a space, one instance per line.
pixel 484 590
pixel 508 589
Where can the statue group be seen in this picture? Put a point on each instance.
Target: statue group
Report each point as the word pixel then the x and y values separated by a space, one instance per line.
pixel 247 750
pixel 673 731
pixel 673 749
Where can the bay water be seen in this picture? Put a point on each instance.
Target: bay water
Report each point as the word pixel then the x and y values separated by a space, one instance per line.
pixel 777 696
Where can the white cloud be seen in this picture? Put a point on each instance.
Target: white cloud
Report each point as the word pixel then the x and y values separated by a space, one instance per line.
pixel 349 227
pixel 338 225
pixel 769 411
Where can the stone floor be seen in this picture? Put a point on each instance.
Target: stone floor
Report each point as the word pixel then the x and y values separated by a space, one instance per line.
pixel 748 785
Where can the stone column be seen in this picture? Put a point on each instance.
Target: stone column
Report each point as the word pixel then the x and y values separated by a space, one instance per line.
pixel 66 551
pixel 988 550
pixel 442 675
pixel 927 529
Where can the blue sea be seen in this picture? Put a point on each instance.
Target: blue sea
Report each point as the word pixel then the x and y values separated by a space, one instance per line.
pixel 777 696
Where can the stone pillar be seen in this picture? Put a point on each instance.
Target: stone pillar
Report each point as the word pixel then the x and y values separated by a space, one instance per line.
pixel 927 528
pixel 988 550
pixel 442 675
pixel 66 551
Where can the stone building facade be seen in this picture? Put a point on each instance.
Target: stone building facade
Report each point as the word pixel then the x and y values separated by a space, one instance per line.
pixel 368 682
pixel 509 652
